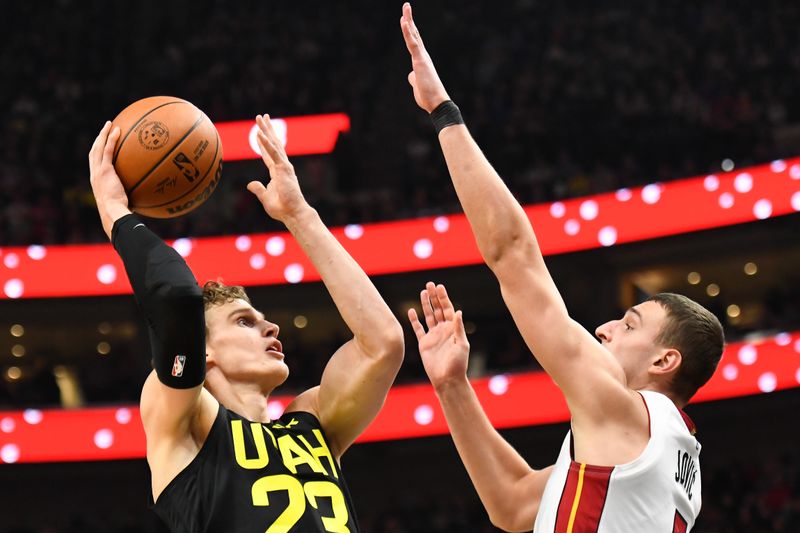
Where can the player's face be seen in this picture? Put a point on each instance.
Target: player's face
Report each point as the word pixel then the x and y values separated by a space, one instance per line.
pixel 632 339
pixel 244 345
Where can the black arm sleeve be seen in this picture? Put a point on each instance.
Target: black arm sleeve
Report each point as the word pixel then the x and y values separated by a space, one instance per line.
pixel 171 300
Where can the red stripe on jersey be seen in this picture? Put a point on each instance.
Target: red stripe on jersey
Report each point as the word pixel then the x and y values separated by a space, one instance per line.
pixel 583 498
pixel 679 526
pixel 688 421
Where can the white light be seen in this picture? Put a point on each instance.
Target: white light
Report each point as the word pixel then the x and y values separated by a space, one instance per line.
pixel 748 354
pixel 11 260
pixel 9 453
pixel 624 194
pixel 243 243
pixel 651 193
pixel 796 201
pixel 257 261
pixel 275 246
pixel 32 416
pixel 104 439
pixel 294 273
pixel 274 409
pixel 762 209
pixel 711 183
pixel 441 224
pixel 7 425
pixel 743 182
pixel 730 372
pixel 353 231
pixel 423 415
pixel 183 246
pixel 557 209
pixel 423 248
pixel 726 200
pixel 797 375
pixel 779 165
pixel 572 227
pixel 123 415
pixel 14 288
pixel 727 165
pixel 498 385
pixel 107 274
pixel 794 172
pixel 36 252
pixel 589 210
pixel 797 346
pixel 767 382
pixel 278 124
pixel 607 236
pixel 783 339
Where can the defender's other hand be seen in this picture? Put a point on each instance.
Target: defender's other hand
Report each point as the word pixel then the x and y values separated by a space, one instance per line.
pixel 282 197
pixel 429 91
pixel 444 348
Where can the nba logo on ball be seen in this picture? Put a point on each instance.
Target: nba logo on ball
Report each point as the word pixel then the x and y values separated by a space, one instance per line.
pixel 177 366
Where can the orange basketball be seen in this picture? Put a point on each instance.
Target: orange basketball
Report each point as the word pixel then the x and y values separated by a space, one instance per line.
pixel 168 156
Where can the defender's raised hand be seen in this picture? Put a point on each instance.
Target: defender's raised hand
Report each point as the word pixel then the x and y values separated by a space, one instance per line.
pixel 429 91
pixel 444 347
pixel 282 197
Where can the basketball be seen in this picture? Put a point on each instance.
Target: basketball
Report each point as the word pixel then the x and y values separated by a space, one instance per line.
pixel 168 156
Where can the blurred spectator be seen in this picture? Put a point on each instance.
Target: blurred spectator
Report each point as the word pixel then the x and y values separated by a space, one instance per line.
pixel 568 99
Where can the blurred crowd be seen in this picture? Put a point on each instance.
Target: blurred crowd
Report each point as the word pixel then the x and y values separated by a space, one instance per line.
pixel 566 99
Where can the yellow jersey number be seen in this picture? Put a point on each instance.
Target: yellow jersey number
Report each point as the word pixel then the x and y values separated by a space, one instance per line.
pixel 298 494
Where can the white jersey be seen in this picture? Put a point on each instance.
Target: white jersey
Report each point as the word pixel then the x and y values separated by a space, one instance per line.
pixel 658 492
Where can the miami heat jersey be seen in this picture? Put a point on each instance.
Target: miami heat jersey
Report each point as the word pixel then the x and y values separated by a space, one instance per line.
pixel 254 477
pixel 659 492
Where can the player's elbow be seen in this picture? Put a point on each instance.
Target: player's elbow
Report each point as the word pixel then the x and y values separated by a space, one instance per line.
pixel 393 343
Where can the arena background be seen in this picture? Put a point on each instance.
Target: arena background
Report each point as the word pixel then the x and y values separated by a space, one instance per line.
pixel 569 101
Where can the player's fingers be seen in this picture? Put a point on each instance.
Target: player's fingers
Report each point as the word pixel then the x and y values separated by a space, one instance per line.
pixel 111 143
pixel 96 151
pixel 459 324
pixel 416 325
pixel 257 188
pixel 266 151
pixel 444 300
pixel 438 313
pixel 427 310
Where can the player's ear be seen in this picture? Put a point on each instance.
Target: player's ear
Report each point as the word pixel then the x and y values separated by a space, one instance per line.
pixel 668 361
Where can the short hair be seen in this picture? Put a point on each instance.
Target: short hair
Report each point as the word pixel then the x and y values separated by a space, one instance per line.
pixel 217 293
pixel 697 334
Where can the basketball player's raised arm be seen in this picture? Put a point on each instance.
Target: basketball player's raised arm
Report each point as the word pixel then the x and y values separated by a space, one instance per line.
pixel 168 296
pixel 508 487
pixel 570 354
pixel 358 376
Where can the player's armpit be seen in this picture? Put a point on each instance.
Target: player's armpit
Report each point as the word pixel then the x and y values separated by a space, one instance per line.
pixel 353 388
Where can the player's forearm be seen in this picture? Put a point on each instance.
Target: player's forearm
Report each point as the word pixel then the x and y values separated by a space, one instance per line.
pixel 110 212
pixel 498 222
pixel 373 324
pixel 495 468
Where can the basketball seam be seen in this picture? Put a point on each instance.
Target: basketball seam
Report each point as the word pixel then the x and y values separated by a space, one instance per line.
pixel 199 182
pixel 194 126
pixel 139 121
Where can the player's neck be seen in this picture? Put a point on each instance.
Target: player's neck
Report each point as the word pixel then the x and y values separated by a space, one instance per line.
pixel 247 400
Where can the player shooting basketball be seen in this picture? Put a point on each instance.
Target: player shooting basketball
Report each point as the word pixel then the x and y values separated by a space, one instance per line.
pixel 218 462
pixel 630 462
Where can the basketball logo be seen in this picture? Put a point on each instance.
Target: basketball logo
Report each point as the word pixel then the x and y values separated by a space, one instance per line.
pixel 153 135
pixel 186 166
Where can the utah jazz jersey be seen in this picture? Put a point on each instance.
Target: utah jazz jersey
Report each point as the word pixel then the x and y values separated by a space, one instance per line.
pixel 278 477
